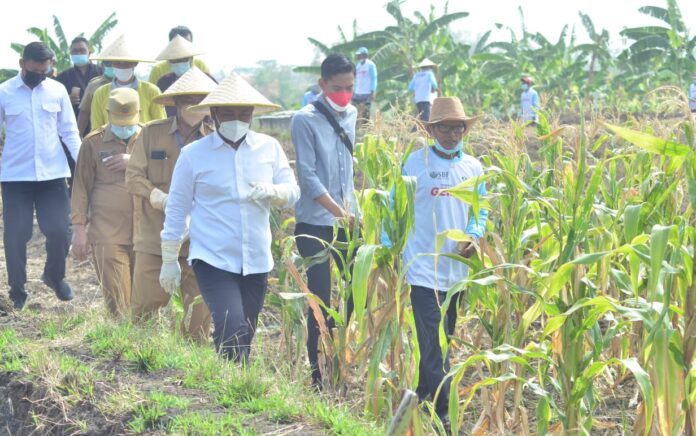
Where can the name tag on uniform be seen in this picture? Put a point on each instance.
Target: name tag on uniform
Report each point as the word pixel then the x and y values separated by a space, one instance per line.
pixel 104 155
pixel 158 155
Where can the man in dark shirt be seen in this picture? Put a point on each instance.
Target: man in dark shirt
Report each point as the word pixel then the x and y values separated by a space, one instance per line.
pixel 76 78
pixel 75 81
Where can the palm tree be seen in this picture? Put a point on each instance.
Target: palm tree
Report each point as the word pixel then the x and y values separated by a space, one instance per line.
pixel 667 47
pixel 61 45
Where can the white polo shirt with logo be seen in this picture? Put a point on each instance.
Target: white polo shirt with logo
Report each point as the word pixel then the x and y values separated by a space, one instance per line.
pixel 436 212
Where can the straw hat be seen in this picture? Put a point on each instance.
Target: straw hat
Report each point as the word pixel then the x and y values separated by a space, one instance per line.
pixel 235 91
pixel 178 48
pixel 427 63
pixel 193 82
pixel 124 107
pixel 449 109
pixel 119 51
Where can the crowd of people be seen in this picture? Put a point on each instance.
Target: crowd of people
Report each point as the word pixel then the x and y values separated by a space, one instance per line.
pixel 171 191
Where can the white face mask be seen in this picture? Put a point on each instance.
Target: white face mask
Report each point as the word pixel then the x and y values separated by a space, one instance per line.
pixel 191 118
pixel 123 74
pixel 233 130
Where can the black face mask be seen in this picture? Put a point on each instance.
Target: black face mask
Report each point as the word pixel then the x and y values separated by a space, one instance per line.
pixel 32 78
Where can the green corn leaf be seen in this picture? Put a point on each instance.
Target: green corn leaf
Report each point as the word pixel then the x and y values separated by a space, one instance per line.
pixel 650 143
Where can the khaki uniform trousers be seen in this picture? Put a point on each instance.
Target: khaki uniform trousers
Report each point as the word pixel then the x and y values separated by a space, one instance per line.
pixel 148 296
pixel 114 266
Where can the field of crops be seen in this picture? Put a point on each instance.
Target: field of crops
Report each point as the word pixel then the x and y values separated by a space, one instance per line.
pixel 578 316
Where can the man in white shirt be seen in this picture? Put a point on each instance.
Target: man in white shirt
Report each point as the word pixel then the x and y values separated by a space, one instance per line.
pixel 365 85
pixel 424 86
pixel 529 101
pixel 437 168
pixel 36 113
pixel 692 95
pixel 226 183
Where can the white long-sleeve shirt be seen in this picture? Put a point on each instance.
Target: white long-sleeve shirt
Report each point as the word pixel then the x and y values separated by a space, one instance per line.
pixel 210 184
pixel 692 97
pixel 35 121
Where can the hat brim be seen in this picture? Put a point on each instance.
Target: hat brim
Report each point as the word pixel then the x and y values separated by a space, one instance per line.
pixel 179 56
pixel 119 59
pixel 468 121
pixel 124 120
pixel 168 99
pixel 258 108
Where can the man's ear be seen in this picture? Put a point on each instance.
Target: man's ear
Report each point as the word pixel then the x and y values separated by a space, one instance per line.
pixel 21 63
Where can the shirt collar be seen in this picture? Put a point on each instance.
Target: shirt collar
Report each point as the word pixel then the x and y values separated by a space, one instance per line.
pixel 19 82
pixel 108 134
pixel 134 84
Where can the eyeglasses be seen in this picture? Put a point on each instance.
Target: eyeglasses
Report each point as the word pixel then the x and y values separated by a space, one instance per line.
pixel 444 129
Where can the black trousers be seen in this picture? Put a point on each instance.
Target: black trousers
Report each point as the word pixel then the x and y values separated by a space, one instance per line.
pixel 431 369
pixel 319 283
pixel 423 110
pixel 50 200
pixel 234 301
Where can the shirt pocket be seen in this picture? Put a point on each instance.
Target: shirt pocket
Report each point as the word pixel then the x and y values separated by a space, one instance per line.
pixel 51 108
pixel 158 167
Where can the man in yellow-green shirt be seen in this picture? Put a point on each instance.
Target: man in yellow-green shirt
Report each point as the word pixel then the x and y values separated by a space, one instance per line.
pixel 165 67
pixel 123 61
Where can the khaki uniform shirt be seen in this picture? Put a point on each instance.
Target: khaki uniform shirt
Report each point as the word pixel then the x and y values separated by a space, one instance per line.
pixel 99 197
pixel 151 166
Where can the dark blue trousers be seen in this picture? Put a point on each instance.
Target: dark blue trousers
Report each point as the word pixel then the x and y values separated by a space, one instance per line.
pixel 52 204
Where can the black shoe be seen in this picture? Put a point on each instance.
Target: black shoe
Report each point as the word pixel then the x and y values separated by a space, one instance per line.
pixel 62 289
pixel 18 297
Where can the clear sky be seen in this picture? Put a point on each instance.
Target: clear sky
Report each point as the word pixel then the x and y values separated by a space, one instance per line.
pixel 239 33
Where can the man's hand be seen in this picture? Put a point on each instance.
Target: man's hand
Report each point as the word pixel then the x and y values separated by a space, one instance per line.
pixel 80 243
pixel 264 193
pixel 117 162
pixel 75 99
pixel 466 249
pixel 158 199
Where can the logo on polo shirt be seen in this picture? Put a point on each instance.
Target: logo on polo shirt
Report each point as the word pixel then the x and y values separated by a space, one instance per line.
pixel 439 174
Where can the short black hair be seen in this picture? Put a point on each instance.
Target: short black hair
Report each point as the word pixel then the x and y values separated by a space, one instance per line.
pixel 79 39
pixel 336 64
pixel 180 30
pixel 37 52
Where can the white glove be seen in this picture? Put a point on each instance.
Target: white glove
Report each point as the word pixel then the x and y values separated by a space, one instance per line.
pixel 266 191
pixel 158 199
pixel 170 274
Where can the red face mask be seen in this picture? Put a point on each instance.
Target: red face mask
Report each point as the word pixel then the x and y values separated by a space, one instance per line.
pixel 341 98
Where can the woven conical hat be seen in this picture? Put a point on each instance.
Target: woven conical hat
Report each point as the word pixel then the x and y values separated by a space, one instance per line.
pixel 178 48
pixel 120 51
pixel 425 63
pixel 193 82
pixel 235 91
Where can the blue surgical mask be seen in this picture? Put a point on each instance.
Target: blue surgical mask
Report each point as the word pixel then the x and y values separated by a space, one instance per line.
pixel 449 152
pixel 525 87
pixel 124 132
pixel 109 72
pixel 180 68
pixel 79 59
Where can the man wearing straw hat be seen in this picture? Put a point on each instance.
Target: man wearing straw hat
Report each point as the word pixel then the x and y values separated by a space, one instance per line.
pixel 124 60
pixel 179 53
pixel 323 134
pixel 692 94
pixel 226 183
pixel 85 115
pixel 148 178
pixel 424 85
pixel 165 67
pixel 102 208
pixel 437 168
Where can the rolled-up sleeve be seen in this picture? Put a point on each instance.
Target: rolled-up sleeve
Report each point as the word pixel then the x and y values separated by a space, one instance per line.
pixel 303 139
pixel 284 177
pixel 67 126
pixel 180 200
